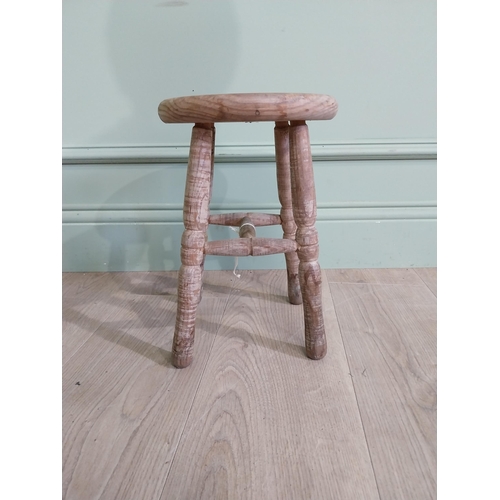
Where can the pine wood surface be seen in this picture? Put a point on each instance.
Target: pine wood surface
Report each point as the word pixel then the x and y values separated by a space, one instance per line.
pixel 197 195
pixel 252 417
pixel 249 246
pixel 306 236
pixel 251 107
pixel 284 181
pixel 295 178
pixel 234 219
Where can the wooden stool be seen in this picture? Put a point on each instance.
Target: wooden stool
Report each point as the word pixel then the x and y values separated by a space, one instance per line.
pixel 296 195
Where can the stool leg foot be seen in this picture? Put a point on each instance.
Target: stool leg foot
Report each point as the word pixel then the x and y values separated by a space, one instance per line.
pixel 310 281
pixel 282 147
pixel 304 210
pixel 292 271
pixel 196 212
pixel 189 291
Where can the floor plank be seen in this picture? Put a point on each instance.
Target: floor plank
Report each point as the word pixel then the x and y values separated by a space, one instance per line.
pixel 252 417
pixel 379 276
pixel 83 312
pixel 89 299
pixel 389 332
pixel 124 405
pixel 267 422
pixel 84 285
pixel 429 277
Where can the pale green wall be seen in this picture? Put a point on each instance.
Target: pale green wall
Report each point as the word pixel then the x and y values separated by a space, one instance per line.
pixel 123 169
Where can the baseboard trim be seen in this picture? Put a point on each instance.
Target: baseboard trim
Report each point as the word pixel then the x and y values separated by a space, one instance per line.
pixel 126 214
pixel 373 150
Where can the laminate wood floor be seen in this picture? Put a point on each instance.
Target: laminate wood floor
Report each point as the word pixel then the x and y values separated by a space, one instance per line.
pixel 252 417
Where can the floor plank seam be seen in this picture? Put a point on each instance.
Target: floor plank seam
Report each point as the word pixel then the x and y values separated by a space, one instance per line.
pixel 426 285
pixel 197 387
pixel 377 284
pixel 356 396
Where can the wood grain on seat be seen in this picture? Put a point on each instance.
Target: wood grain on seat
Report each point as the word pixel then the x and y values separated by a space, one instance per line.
pixel 247 108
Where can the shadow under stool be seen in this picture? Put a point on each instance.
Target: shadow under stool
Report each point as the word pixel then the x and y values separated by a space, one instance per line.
pixel 296 195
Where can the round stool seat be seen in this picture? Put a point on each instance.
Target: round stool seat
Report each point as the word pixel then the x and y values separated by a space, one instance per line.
pixel 272 107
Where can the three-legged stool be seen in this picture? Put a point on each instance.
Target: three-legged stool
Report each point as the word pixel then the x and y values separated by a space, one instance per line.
pixel 296 194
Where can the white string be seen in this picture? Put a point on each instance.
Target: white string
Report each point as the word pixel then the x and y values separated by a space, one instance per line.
pixel 235 266
pixel 236 230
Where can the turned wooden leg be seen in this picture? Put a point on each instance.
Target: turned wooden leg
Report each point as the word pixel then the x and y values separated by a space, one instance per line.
pixel 282 146
pixel 196 202
pixel 209 199
pixel 304 211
